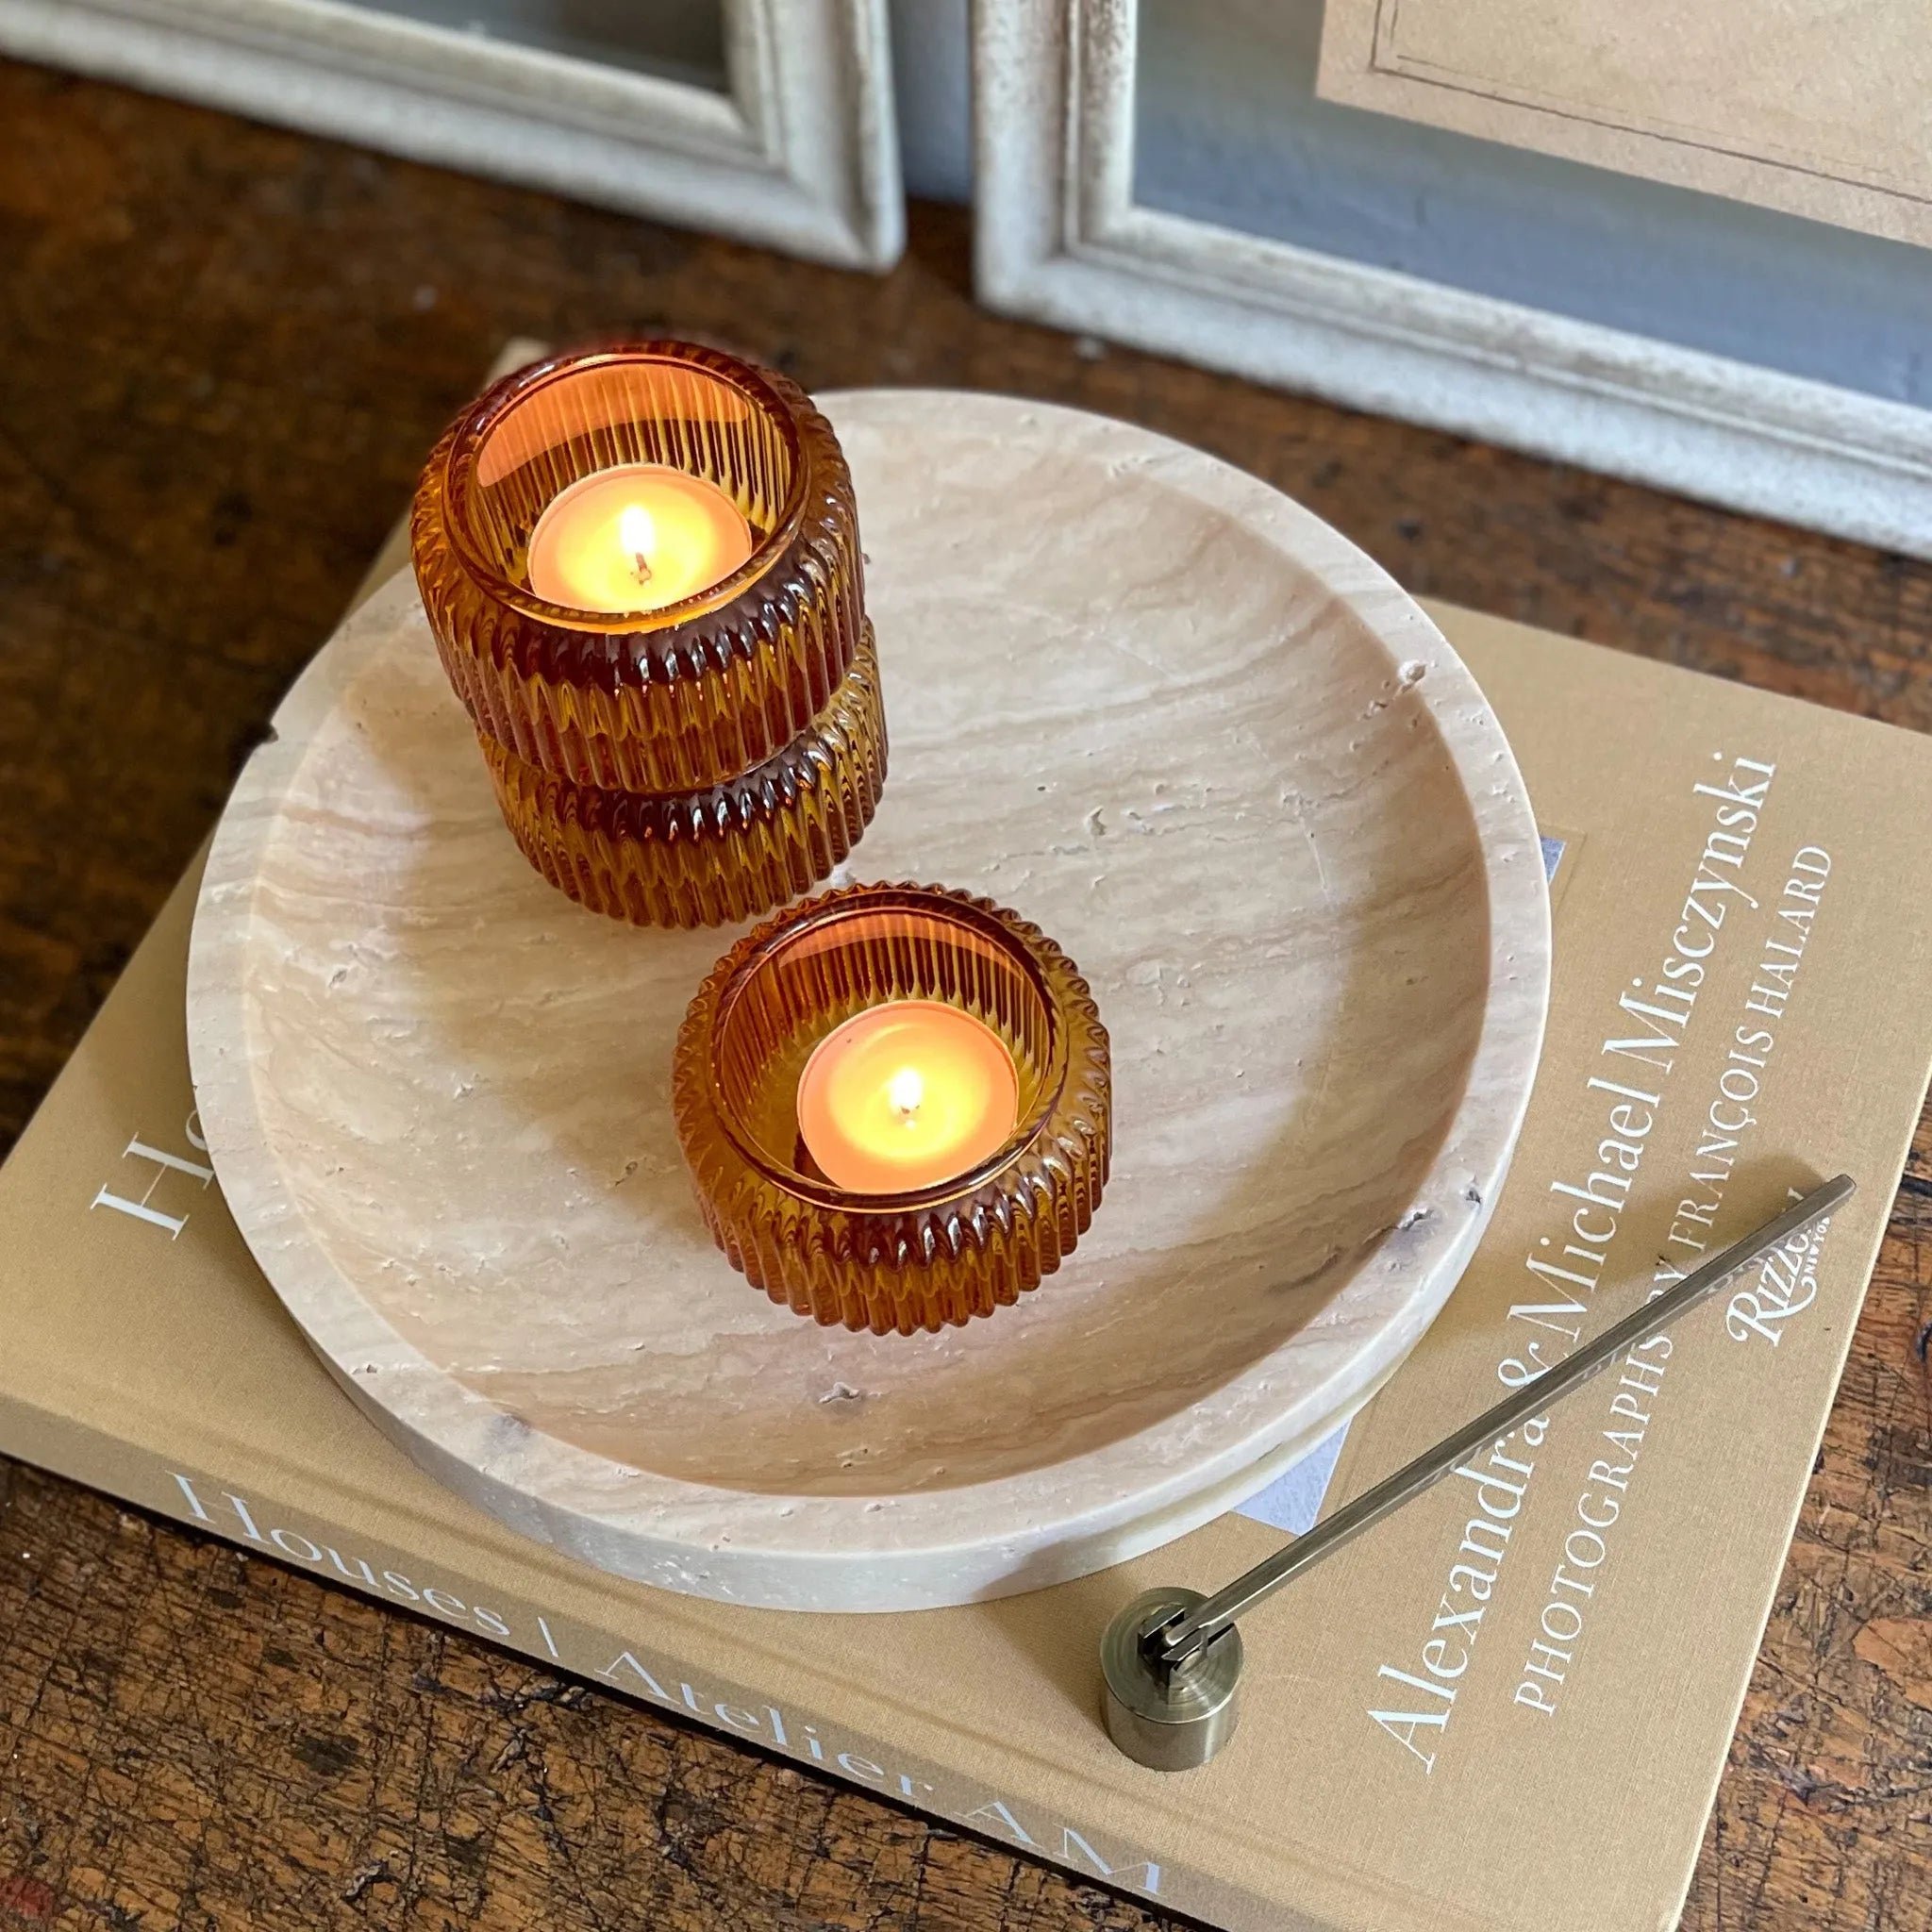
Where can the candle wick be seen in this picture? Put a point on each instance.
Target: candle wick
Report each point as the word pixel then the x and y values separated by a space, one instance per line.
pixel 644 566
pixel 904 1091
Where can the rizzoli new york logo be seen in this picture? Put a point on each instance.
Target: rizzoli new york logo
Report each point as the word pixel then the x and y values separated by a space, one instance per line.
pixel 1787 1284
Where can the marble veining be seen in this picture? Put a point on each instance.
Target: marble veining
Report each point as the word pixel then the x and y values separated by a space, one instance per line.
pixel 1135 694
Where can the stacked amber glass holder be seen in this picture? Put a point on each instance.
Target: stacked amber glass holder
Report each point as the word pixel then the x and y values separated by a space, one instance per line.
pixel 689 764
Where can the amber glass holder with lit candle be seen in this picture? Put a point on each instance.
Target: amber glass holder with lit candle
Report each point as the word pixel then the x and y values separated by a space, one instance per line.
pixel 717 635
pixel 1005 1059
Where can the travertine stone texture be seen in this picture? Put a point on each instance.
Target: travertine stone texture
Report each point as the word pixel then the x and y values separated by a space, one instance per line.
pixel 1139 697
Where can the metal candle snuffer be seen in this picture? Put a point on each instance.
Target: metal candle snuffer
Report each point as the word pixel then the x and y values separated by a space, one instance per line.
pixel 1170 1661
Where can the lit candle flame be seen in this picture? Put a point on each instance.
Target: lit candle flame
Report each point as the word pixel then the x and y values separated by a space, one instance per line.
pixel 906 1094
pixel 638 533
pixel 906 1089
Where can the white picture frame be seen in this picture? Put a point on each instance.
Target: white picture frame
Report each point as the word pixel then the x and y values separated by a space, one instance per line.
pixel 801 154
pixel 1059 238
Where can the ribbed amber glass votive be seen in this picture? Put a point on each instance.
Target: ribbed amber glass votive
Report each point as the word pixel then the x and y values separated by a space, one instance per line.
pixel 959 1243
pixel 671 700
pixel 724 854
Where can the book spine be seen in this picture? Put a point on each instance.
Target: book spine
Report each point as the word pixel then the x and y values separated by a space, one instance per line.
pixel 254 1519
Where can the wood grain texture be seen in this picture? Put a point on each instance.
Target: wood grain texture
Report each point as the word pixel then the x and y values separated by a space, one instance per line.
pixel 226 351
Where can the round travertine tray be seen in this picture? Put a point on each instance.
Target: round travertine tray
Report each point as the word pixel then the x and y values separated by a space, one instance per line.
pixel 1136 695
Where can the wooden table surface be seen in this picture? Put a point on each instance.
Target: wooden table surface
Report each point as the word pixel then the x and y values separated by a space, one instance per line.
pixel 223 352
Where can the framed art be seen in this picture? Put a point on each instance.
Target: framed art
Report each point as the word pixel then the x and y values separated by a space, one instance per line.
pixel 770 119
pixel 1601 334
pixel 1797 104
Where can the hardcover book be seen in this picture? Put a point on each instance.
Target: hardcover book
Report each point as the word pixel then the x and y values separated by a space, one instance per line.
pixel 1518 1690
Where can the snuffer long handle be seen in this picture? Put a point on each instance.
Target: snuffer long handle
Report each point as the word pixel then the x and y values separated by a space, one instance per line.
pixel 1170 1645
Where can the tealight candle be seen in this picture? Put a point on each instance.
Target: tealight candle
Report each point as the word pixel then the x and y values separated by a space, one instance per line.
pixel 635 538
pixel 906 1096
pixel 894 1104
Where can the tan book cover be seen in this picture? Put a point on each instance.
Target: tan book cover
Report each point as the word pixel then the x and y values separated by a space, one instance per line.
pixel 1506 1707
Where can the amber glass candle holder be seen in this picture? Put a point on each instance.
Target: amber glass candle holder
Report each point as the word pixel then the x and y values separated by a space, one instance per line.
pixel 724 854
pixel 958 1245
pixel 645 719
